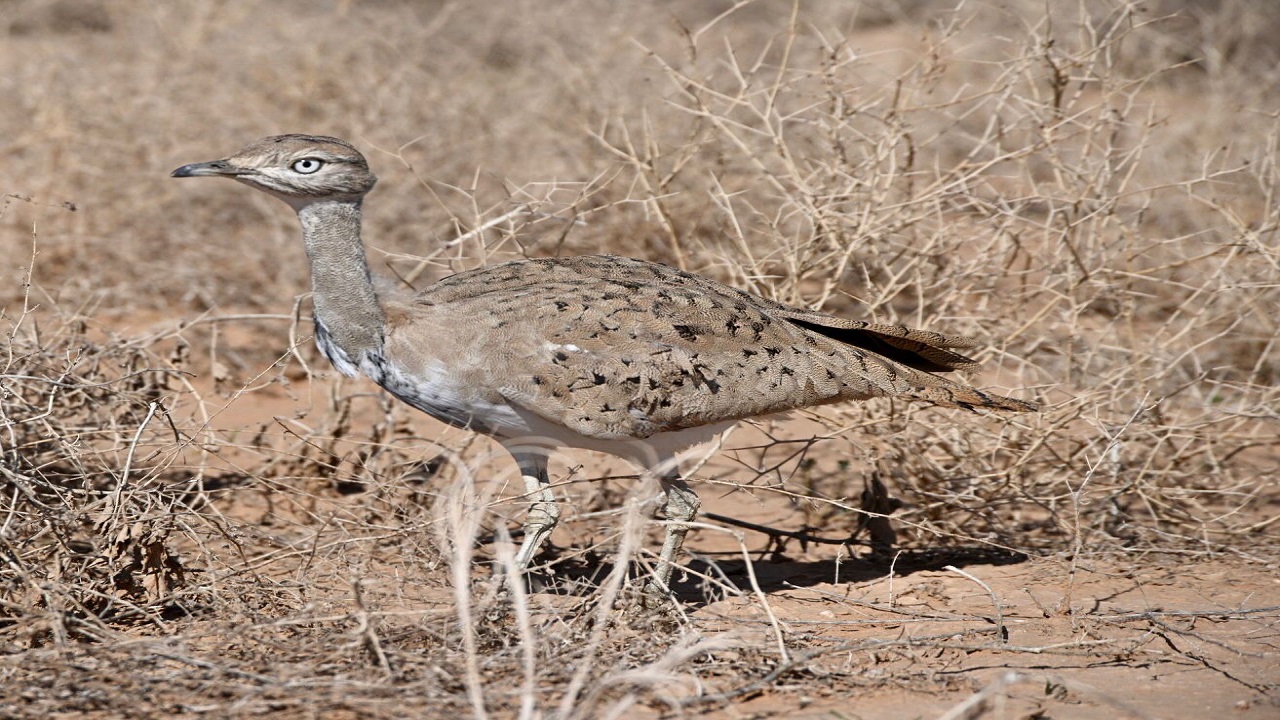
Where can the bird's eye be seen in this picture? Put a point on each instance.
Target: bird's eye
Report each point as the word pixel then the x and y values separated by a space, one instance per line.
pixel 306 166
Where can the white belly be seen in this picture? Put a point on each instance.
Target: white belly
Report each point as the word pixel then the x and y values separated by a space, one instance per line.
pixel 437 393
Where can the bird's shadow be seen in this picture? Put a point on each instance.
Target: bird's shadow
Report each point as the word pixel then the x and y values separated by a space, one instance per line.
pixel 708 579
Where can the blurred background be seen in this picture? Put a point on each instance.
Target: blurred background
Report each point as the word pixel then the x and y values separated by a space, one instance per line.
pixel 1089 189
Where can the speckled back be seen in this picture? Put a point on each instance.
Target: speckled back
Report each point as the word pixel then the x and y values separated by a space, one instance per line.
pixel 613 347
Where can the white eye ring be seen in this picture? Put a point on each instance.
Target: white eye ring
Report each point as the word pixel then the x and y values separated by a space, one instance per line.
pixel 307 165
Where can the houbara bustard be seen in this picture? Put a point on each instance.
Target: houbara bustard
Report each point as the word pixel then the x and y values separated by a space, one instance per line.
pixel 607 353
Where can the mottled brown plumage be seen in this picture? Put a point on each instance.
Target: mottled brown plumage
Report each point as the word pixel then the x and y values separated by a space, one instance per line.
pixel 612 347
pixel 601 352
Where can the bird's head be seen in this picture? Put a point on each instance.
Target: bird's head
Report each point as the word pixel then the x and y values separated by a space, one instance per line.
pixel 298 169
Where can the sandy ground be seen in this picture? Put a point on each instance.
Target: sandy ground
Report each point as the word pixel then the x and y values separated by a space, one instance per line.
pixel 193 527
pixel 961 631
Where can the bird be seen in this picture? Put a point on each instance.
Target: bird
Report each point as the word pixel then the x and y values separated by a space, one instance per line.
pixel 618 355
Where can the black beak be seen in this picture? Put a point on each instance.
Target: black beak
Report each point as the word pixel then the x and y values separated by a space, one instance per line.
pixel 213 168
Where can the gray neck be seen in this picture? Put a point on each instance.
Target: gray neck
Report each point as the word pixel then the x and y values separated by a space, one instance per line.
pixel 346 306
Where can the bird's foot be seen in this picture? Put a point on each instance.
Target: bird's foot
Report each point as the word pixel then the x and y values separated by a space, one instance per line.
pixel 652 610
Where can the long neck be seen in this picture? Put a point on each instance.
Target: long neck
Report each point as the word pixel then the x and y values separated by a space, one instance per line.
pixel 346 307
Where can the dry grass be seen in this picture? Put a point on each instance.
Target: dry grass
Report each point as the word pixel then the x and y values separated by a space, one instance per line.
pixel 192 522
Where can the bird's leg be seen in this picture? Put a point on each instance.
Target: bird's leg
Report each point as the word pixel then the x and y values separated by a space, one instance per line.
pixel 681 509
pixel 544 514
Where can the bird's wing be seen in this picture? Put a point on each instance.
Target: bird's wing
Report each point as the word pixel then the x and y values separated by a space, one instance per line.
pixel 920 349
pixel 615 348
